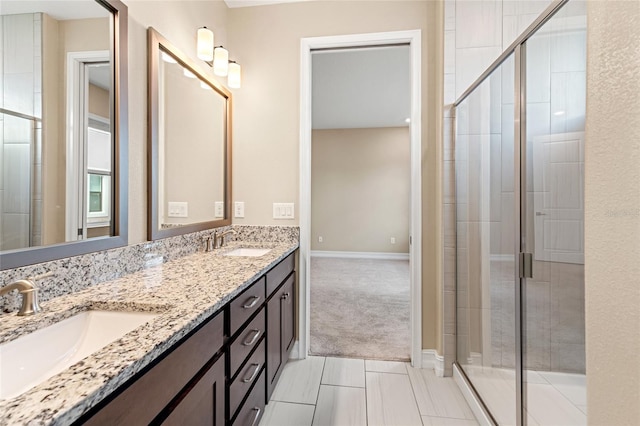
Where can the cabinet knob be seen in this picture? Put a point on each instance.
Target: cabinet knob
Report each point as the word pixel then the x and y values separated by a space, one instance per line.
pixel 285 296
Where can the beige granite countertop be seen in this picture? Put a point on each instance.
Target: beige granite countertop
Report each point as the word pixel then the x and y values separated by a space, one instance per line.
pixel 184 291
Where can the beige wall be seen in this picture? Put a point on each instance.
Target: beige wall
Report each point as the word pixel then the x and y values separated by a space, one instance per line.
pixel 266 41
pixel 99 101
pixel 612 214
pixel 360 183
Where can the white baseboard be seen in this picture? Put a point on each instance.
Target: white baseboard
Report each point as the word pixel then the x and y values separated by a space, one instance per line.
pixel 429 358
pixel 476 407
pixel 295 351
pixel 360 255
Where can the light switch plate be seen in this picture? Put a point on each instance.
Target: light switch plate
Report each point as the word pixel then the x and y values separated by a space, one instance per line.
pixel 219 209
pixel 238 209
pixel 178 209
pixel 283 211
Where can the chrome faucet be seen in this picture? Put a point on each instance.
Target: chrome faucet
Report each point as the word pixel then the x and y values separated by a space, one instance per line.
pixel 29 294
pixel 219 239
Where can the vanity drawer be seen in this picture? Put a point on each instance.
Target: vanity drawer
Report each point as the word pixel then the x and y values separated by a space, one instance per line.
pixel 246 377
pixel 149 394
pixel 247 339
pixel 246 304
pixel 253 408
pixel 280 272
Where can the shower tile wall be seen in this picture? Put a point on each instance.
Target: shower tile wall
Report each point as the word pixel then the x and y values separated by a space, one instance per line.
pixel 20 183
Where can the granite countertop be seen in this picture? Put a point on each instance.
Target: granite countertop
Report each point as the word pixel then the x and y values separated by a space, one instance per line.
pixel 184 292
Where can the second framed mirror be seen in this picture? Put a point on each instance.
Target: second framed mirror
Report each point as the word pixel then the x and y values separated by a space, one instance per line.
pixel 189 144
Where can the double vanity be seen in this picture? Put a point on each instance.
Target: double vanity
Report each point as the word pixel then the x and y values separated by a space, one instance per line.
pixel 201 339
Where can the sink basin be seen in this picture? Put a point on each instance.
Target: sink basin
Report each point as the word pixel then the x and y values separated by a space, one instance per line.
pixel 248 252
pixel 31 359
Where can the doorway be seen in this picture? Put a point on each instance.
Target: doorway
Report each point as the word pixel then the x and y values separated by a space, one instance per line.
pixel 308 45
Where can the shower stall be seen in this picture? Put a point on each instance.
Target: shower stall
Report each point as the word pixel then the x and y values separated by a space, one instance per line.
pixel 519 171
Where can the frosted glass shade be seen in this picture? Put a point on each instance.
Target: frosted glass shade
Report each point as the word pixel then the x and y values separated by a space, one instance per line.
pixel 205 44
pixel 221 61
pixel 234 79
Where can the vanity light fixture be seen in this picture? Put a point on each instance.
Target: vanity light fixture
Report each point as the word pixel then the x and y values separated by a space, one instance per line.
pixel 188 73
pixel 235 78
pixel 204 44
pixel 220 61
pixel 218 58
pixel 168 58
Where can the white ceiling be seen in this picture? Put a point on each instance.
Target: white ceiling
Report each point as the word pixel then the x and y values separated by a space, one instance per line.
pixel 60 10
pixel 361 88
pixel 248 3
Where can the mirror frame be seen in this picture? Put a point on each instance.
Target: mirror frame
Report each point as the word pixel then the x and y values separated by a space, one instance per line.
pixel 156 42
pixel 120 131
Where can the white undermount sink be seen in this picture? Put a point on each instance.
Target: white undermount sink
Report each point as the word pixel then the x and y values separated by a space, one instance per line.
pixel 248 252
pixel 33 358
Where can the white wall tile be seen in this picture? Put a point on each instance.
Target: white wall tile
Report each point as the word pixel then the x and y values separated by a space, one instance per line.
pixel 449 15
pixel 15 231
pixel 482 21
pixel 538 69
pixel 17 130
pixel 471 63
pixel 18 39
pixel 568 95
pixel 18 92
pixel 16 169
pixel 569 51
pixel 449 52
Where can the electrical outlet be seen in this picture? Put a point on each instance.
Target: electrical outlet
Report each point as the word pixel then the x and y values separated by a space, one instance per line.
pixel 178 209
pixel 239 209
pixel 219 209
pixel 320 240
pixel 393 240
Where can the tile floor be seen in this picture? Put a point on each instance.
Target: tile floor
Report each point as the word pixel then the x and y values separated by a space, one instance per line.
pixel 552 398
pixel 344 391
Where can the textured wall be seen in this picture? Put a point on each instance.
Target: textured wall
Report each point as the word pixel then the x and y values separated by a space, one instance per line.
pixel 612 228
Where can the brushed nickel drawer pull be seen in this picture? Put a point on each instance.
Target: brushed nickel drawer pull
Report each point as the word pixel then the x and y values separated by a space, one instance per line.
pixel 253 339
pixel 253 303
pixel 255 419
pixel 253 375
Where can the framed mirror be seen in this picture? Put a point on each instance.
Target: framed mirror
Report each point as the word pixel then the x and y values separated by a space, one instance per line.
pixel 63 129
pixel 189 144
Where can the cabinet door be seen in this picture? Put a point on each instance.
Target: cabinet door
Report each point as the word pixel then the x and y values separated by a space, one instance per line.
pixel 274 342
pixel 204 403
pixel 288 318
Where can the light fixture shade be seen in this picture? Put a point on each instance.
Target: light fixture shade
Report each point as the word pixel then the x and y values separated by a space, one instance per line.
pixel 205 44
pixel 221 61
pixel 234 79
pixel 188 73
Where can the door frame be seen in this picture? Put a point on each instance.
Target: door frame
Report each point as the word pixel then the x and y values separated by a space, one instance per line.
pixel 413 38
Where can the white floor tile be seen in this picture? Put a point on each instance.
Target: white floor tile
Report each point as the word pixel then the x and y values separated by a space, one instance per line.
pixel 287 414
pixel 390 400
pixel 446 421
pixel 341 406
pixel 395 367
pixel 572 386
pixel 548 407
pixel 300 381
pixel 582 408
pixel 343 372
pixel 438 396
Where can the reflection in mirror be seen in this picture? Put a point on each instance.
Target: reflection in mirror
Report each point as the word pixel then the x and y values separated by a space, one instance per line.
pixel 190 150
pixel 59 131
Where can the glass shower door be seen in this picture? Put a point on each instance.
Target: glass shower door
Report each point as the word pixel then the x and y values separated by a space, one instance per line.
pixel 553 335
pixel 486 241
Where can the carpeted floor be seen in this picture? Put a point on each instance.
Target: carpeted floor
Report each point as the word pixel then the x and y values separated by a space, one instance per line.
pixel 360 308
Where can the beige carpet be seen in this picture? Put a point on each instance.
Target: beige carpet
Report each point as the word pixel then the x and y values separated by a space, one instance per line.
pixel 360 308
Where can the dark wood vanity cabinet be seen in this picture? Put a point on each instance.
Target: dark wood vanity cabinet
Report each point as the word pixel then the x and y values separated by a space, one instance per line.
pixel 223 372
pixel 280 329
